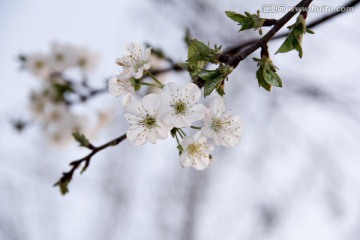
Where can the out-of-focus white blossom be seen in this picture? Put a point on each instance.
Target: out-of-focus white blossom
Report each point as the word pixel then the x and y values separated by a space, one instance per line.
pixel 179 107
pixel 196 152
pixel 38 64
pixel 63 124
pixel 86 59
pixel 62 56
pixel 221 125
pixel 135 59
pixel 145 124
pixel 38 102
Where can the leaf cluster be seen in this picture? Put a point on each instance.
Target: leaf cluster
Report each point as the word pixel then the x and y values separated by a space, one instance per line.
pixel 215 79
pixel 294 39
pixel 247 21
pixel 199 55
pixel 266 74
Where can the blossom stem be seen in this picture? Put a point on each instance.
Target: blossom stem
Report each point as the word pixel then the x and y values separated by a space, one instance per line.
pixel 155 79
pixel 151 84
pixel 181 132
pixel 177 139
pixel 194 127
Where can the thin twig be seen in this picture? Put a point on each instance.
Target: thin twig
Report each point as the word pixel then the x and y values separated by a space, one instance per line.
pixel 67 176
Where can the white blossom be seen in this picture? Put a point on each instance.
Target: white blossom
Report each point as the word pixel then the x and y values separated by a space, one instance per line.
pixel 145 124
pixel 121 84
pixel 179 107
pixel 85 59
pixel 196 152
pixel 135 59
pixel 62 123
pixel 221 125
pixel 62 56
pixel 38 64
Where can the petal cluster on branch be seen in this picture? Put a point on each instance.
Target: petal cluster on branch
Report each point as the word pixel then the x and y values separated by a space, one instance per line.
pixel 51 104
pixel 175 109
pixel 60 58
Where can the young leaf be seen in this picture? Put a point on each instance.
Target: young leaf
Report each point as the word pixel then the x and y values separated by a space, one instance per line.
pixel 81 139
pixel 63 186
pixel 294 39
pixel 214 79
pixel 198 51
pixel 266 74
pixel 261 80
pixel 211 84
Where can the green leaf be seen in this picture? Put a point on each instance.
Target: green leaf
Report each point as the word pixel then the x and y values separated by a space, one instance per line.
pixel 209 75
pixel 211 84
pixel 63 186
pixel 309 31
pixel 184 66
pixel 81 139
pixel 187 36
pixel 287 44
pixel 261 81
pixel 237 17
pixel 271 78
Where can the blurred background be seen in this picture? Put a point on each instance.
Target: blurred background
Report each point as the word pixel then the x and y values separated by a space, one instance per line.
pixel 294 174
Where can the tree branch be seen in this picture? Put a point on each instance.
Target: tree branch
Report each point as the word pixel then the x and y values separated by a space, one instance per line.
pixel 67 176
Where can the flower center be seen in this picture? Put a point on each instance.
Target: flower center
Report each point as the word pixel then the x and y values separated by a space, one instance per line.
pixel 82 62
pixel 39 64
pixel 59 57
pixel 180 108
pixel 149 122
pixel 194 149
pixel 217 124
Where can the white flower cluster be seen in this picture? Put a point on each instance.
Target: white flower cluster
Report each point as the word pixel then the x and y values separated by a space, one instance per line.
pixel 134 63
pixel 48 105
pixel 60 58
pixel 55 117
pixel 174 108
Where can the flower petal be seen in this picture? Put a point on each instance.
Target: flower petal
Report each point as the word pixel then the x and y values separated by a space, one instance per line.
pixel 185 160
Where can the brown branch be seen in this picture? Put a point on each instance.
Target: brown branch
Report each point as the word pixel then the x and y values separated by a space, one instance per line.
pixel 67 176
pixel 269 22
